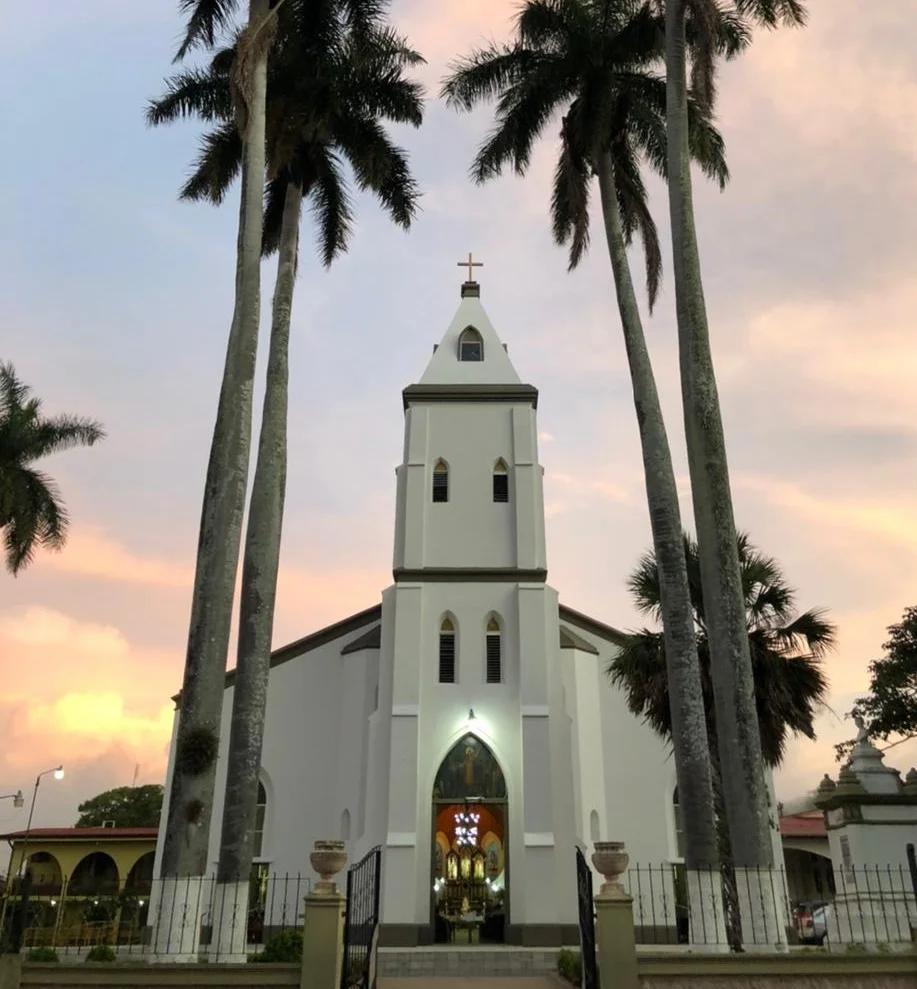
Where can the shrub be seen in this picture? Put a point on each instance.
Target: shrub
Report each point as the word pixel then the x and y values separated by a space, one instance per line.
pixel 42 955
pixel 101 953
pixel 570 966
pixel 283 947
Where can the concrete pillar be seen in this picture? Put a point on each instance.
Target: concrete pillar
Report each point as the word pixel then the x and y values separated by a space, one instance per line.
pixel 323 923
pixel 10 971
pixel 322 941
pixel 614 915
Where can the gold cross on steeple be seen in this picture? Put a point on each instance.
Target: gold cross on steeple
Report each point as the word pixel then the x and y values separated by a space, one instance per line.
pixel 470 265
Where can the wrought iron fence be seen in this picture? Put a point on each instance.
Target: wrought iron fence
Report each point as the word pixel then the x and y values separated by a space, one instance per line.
pixel 869 906
pixel 153 917
pixel 362 920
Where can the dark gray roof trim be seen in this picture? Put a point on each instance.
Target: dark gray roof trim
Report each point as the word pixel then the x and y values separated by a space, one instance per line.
pixel 441 575
pixel 470 393
pixel 570 640
pixel 591 625
pixel 368 640
pixel 319 638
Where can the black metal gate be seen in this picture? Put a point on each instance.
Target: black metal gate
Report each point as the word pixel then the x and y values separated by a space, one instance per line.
pixel 358 970
pixel 586 921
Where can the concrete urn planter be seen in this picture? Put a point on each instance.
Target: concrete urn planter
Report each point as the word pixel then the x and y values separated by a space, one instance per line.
pixel 327 859
pixel 610 859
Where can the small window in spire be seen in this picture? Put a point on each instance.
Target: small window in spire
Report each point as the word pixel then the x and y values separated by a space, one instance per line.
pixel 447 651
pixel 471 345
pixel 500 482
pixel 494 642
pixel 441 481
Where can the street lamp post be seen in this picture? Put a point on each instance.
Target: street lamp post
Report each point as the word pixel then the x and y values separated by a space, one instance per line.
pixel 25 879
pixel 17 798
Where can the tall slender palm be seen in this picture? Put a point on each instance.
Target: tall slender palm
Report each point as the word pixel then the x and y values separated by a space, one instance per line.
pixel 31 511
pixel 745 790
pixel 595 61
pixel 193 772
pixel 332 80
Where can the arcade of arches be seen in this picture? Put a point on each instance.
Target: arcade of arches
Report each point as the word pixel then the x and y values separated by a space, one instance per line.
pixel 469 860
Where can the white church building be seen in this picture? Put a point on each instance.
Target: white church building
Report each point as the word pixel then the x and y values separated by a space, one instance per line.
pixel 465 723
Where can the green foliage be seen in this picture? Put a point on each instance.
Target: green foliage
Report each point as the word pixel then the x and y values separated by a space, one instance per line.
pixel 42 955
pixel 786 651
pixel 570 966
pixel 317 120
pixel 598 64
pixel 283 947
pixel 127 806
pixel 31 510
pixel 101 953
pixel 890 707
pixel 196 750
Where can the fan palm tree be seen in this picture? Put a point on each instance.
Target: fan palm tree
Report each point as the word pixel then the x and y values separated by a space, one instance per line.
pixel 745 791
pixel 786 651
pixel 595 62
pixel 332 80
pixel 194 769
pixel 31 511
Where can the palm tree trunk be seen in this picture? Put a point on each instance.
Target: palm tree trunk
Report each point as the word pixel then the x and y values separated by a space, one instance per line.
pixel 686 698
pixel 744 788
pixel 256 621
pixel 191 793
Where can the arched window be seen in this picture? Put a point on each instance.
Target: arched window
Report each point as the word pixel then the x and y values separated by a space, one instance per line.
pixel 501 481
pixel 471 345
pixel 447 651
pixel 441 481
pixel 494 651
pixel 679 833
pixel 260 814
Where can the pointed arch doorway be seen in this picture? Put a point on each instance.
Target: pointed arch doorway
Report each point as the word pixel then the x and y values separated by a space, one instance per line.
pixel 470 854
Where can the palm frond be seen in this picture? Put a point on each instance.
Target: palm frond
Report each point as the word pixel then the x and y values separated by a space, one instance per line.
pixel 485 74
pixel 218 163
pixel 636 217
pixel 206 19
pixel 772 13
pixel 330 202
pixel 197 92
pixel 570 200
pixel 62 433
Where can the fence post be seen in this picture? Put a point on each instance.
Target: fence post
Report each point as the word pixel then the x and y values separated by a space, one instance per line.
pixel 617 948
pixel 323 926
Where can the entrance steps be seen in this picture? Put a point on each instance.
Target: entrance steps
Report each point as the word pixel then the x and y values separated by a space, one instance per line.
pixel 456 962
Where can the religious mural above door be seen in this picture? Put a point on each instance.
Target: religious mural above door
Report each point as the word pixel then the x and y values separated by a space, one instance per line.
pixel 469 772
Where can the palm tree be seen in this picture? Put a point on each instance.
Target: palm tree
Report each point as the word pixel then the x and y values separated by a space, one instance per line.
pixel 595 62
pixel 193 772
pixel 786 651
pixel 745 791
pixel 331 82
pixel 31 511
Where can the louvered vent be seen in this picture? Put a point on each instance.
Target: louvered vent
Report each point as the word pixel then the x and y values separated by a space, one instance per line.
pixel 447 657
pixel 494 659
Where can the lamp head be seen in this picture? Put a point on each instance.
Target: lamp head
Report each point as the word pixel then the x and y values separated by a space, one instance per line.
pixel 59 773
pixel 18 799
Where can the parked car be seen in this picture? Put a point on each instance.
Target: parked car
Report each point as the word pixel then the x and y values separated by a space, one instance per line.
pixel 811 920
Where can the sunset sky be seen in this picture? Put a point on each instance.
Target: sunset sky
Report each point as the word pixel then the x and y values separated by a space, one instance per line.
pixel 115 302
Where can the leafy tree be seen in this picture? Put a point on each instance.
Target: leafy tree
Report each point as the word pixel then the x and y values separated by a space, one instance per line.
pixel 127 806
pixel 191 796
pixel 596 63
pixel 334 76
pixel 890 707
pixel 31 510
pixel 693 29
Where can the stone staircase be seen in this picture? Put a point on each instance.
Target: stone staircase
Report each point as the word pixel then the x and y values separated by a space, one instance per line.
pixel 467 961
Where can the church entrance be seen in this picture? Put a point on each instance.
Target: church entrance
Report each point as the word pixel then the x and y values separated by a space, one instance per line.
pixel 469 856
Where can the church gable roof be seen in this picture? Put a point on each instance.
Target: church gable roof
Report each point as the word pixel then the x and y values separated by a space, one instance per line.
pixel 592 626
pixel 493 368
pixel 368 640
